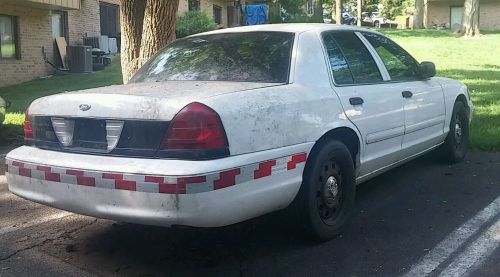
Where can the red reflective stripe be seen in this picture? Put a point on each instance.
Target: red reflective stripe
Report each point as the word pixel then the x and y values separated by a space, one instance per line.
pixel 264 169
pixel 74 172
pixel 182 181
pixel 85 181
pixel 125 185
pixel 227 178
pixel 296 159
pixel 113 176
pixel 153 179
pixel 54 177
pixel 18 164
pixel 170 189
pixel 43 168
pixel 26 172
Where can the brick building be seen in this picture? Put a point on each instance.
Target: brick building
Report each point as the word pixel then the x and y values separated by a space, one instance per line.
pixel 28 29
pixel 449 13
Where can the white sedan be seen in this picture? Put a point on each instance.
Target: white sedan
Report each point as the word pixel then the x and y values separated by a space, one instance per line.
pixel 228 125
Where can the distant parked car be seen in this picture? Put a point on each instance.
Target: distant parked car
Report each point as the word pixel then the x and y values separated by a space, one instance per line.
pixel 3 109
pixel 228 125
pixel 378 20
pixel 366 20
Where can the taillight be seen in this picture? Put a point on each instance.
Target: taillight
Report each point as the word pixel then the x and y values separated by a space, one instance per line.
pixel 28 131
pixel 196 130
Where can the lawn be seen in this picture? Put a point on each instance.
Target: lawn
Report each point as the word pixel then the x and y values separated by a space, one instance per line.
pixel 23 94
pixel 476 62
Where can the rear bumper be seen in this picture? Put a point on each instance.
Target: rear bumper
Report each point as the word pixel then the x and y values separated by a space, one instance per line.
pixel 159 192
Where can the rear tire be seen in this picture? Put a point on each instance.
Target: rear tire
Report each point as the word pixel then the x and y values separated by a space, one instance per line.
pixel 328 190
pixel 456 144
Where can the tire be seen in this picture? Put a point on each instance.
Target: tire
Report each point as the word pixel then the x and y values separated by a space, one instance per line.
pixel 456 144
pixel 326 196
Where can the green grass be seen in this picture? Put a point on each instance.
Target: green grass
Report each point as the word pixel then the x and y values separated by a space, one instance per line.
pixel 23 94
pixel 475 62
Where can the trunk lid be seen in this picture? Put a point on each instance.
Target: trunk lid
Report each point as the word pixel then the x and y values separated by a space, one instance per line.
pixel 146 101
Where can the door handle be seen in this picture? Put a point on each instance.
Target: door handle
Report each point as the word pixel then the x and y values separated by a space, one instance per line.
pixel 355 101
pixel 407 94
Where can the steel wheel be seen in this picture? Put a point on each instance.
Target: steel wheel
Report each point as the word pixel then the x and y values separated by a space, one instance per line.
pixel 329 192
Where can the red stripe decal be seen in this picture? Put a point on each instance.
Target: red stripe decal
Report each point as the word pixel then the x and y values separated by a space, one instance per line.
pixel 296 159
pixel 74 172
pixel 85 181
pixel 153 179
pixel 227 178
pixel 43 168
pixel 182 181
pixel 125 185
pixel 112 176
pixel 264 169
pixel 18 164
pixel 26 172
pixel 54 177
pixel 170 189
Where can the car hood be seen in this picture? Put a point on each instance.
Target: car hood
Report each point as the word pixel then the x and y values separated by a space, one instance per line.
pixel 150 101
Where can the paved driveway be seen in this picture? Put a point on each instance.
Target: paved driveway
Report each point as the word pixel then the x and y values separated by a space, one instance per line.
pixel 420 219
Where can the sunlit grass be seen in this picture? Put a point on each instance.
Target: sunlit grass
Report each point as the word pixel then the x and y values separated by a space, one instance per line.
pixel 22 95
pixel 475 62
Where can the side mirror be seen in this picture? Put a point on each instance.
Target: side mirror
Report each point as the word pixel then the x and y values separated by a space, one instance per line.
pixel 428 69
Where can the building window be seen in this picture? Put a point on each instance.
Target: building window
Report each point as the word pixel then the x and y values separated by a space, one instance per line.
pixel 8 37
pixel 194 5
pixel 310 7
pixel 218 14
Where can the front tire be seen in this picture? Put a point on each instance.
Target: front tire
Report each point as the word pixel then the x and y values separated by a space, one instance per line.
pixel 328 189
pixel 456 144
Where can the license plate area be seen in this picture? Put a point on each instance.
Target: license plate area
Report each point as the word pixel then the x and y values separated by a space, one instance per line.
pixel 90 134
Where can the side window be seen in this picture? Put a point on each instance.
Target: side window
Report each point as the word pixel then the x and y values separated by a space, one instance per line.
pixel 400 65
pixel 340 69
pixel 359 60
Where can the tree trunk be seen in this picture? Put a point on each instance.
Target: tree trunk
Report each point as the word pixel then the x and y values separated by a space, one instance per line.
pixel 131 17
pixel 359 7
pixel 338 12
pixel 418 17
pixel 159 27
pixel 318 10
pixel 470 20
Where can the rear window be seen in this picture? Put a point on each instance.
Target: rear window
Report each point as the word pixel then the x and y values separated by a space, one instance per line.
pixel 240 57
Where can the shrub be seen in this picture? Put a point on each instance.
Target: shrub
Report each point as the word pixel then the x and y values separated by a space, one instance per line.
pixel 193 22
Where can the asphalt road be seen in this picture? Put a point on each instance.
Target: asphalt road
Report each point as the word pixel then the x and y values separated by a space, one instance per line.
pixel 423 218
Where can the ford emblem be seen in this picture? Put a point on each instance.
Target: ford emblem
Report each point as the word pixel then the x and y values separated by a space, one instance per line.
pixel 84 107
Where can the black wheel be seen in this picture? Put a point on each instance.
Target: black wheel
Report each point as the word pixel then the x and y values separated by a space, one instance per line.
pixel 327 193
pixel 456 144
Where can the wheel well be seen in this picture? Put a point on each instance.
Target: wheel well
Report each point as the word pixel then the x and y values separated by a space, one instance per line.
pixel 345 135
pixel 461 98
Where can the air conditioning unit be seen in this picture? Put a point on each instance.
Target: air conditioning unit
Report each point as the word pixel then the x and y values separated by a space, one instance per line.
pixel 101 42
pixel 80 58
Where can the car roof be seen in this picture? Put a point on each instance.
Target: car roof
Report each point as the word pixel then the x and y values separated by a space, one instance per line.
pixel 286 27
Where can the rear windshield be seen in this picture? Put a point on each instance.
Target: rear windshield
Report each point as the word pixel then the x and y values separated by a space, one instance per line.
pixel 241 57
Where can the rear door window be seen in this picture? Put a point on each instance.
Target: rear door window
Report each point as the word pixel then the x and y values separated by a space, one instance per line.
pixel 347 51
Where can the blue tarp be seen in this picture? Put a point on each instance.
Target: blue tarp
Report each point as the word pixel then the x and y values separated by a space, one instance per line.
pixel 256 14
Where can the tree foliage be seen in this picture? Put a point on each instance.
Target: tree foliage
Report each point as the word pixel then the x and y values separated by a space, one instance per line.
pixel 194 22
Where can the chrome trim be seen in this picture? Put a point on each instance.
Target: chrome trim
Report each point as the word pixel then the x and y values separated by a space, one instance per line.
pixel 113 131
pixel 64 130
